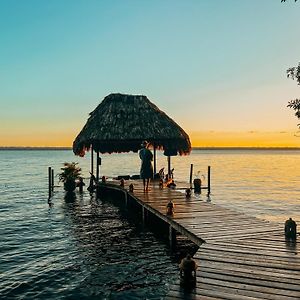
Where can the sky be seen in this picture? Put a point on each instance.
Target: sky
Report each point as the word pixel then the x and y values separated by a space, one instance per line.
pixel 217 67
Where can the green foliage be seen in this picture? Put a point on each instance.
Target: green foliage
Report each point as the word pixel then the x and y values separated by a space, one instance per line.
pixel 70 172
pixel 295 105
pixel 294 73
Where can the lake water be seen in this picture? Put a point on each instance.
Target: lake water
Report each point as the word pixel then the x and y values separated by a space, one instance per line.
pixel 89 249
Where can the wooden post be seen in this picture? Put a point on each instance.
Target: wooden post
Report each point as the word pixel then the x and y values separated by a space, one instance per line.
pixel 191 175
pixel 52 180
pixel 172 236
pixel 169 166
pixel 97 191
pixel 208 181
pixel 97 167
pixel 126 199
pixel 154 159
pixel 49 182
pixel 92 160
pixel 143 215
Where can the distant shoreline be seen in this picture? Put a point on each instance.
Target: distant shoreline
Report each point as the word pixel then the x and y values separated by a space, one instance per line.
pixel 193 148
pixel 35 148
pixel 246 148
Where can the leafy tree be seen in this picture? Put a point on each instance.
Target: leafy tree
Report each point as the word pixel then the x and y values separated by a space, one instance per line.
pixel 294 73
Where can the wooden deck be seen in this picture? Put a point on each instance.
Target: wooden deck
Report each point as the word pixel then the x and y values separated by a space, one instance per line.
pixel 242 258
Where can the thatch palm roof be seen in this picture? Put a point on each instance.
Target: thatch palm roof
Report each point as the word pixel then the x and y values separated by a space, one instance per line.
pixel 121 122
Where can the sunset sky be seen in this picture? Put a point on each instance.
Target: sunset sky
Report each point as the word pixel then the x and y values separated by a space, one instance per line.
pixel 217 67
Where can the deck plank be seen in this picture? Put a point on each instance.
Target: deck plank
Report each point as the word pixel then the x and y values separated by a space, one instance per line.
pixel 242 257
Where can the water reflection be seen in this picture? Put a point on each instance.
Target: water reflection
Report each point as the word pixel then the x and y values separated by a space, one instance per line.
pixel 70 196
pixel 114 256
pixel 291 245
pixel 208 199
pixel 47 252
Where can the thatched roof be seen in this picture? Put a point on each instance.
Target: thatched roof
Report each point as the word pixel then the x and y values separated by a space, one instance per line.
pixel 121 122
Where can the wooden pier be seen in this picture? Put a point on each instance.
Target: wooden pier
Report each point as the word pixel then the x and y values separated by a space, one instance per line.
pixel 240 257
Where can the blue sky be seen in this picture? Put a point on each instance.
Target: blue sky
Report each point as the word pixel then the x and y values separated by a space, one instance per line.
pixel 211 65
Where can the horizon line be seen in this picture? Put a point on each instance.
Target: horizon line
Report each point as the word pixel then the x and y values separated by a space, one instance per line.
pixel 193 148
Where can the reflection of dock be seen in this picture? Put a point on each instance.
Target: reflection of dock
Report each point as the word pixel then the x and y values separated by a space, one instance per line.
pixel 242 258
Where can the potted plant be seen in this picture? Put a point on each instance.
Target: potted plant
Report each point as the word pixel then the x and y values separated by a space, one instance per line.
pixel 70 173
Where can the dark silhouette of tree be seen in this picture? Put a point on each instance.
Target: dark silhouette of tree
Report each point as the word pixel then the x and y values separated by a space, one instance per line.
pixel 285 0
pixel 294 73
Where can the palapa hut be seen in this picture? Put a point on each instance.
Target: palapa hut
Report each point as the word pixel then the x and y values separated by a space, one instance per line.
pixel 121 122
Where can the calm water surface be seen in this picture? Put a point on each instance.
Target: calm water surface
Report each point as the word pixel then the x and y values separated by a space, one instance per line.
pixel 89 249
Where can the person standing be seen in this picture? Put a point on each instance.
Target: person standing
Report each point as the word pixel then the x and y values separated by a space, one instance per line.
pixel 146 172
pixel 290 229
pixel 188 270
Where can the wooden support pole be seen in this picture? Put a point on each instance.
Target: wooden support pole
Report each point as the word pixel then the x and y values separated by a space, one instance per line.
pixel 97 167
pixel 169 166
pixel 154 159
pixel 191 175
pixel 172 237
pixel 52 180
pixel 143 215
pixel 92 160
pixel 49 182
pixel 208 181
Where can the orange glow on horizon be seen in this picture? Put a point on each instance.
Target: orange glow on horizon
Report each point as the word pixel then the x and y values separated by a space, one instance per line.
pixel 245 139
pixel 61 139
pixel 198 139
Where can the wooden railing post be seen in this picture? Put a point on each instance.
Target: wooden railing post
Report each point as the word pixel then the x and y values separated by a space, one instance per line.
pixel 208 181
pixel 191 175
pixel 52 180
pixel 49 182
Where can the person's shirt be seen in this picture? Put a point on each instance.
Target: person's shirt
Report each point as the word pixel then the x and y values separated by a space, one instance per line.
pixel 188 265
pixel 145 154
pixel 290 224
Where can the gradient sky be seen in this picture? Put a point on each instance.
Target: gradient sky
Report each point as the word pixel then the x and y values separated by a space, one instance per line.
pixel 217 67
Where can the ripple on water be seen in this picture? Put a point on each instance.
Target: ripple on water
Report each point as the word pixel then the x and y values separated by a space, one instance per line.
pixel 87 249
pixel 77 250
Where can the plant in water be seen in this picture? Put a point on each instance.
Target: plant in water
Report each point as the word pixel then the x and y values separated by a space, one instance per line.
pixel 70 173
pixel 198 175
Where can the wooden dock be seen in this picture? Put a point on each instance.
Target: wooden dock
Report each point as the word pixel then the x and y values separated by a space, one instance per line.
pixel 240 257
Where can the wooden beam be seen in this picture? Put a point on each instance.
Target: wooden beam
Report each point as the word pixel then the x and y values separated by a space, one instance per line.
pixel 154 159
pixel 97 167
pixel 92 160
